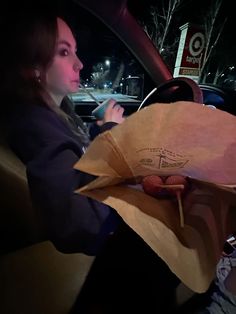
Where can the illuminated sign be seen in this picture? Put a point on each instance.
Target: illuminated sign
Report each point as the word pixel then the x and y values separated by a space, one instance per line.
pixel 190 51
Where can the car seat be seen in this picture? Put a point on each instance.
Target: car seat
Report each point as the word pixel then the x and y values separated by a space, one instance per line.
pixel 34 276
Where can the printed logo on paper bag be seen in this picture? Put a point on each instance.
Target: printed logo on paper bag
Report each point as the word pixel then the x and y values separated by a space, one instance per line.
pixel 167 163
pixel 161 158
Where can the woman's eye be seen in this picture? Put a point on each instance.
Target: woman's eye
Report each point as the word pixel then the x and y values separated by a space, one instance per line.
pixel 63 52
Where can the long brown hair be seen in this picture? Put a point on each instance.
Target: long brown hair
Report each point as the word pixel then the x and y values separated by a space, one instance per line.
pixel 30 43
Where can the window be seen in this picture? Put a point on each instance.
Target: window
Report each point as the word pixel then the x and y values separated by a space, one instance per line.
pixel 110 70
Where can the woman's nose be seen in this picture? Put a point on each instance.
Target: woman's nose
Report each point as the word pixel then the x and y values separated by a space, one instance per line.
pixel 78 65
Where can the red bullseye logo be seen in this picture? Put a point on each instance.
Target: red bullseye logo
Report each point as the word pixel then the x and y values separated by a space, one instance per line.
pixel 196 44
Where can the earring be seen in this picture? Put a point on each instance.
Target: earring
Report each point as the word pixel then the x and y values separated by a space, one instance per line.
pixel 37 75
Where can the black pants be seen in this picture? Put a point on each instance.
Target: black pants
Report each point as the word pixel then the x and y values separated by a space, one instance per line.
pixel 127 277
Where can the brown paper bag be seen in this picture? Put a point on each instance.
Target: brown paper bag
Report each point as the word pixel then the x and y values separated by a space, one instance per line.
pixel 180 138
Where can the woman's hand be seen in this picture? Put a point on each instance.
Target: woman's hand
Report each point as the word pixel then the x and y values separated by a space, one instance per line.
pixel 113 113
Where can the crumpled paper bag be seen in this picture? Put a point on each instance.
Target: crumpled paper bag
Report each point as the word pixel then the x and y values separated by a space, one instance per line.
pixel 182 138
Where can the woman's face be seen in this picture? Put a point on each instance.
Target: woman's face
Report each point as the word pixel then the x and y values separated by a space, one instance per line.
pixel 63 75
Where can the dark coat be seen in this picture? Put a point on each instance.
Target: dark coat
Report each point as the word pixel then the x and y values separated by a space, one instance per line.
pixel 49 149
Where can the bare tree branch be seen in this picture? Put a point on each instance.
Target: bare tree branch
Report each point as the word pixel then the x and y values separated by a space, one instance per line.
pixel 210 31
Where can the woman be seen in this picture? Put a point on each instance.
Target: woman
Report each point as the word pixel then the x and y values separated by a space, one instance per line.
pixel 44 70
pixel 39 69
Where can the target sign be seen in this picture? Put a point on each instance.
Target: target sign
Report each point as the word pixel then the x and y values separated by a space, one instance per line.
pixel 196 44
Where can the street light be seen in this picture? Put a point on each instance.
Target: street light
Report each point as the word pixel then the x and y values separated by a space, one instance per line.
pixel 107 63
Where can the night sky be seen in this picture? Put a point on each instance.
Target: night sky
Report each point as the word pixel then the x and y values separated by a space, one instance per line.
pixel 194 11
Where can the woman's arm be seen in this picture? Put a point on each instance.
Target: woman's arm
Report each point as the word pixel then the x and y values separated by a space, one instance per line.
pixel 74 223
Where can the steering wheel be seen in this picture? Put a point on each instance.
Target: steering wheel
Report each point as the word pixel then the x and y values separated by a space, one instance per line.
pixel 175 89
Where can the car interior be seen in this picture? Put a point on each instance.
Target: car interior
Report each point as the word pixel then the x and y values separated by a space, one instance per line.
pixel 136 76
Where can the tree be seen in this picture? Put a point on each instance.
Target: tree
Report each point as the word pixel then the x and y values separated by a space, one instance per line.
pixel 99 75
pixel 159 25
pixel 162 24
pixel 213 30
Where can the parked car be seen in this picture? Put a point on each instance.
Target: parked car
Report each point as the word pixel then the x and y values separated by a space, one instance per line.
pixel 219 97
